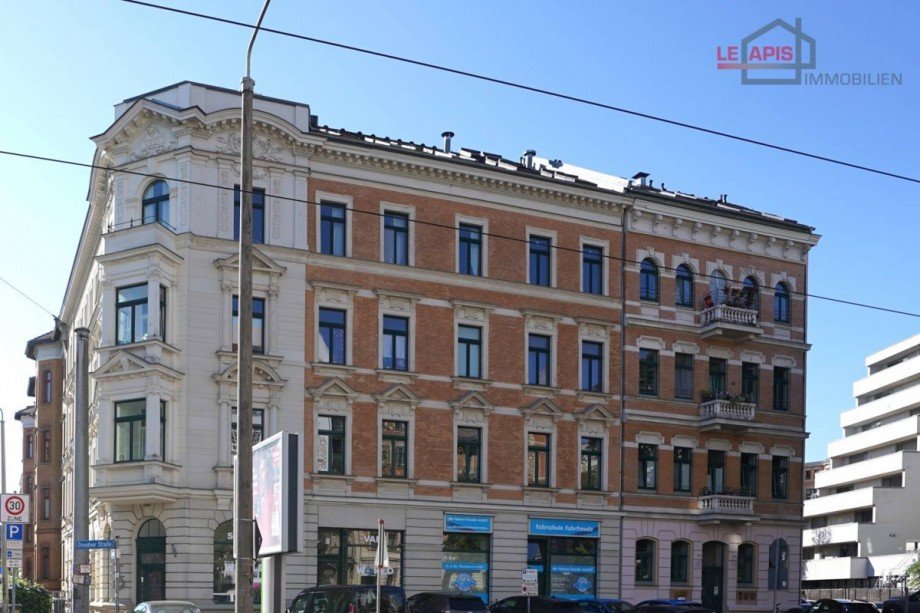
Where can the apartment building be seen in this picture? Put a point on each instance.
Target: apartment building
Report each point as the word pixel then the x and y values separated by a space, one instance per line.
pixel 41 462
pixel 514 363
pixel 863 531
pixel 811 471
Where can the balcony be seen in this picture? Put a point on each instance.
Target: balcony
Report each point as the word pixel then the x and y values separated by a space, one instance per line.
pixel 836 568
pixel 720 411
pixel 831 535
pixel 733 317
pixel 837 503
pixel 875 468
pixel 882 436
pixel 727 506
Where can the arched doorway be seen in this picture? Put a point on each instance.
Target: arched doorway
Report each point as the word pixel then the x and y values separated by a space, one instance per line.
pixel 151 561
pixel 713 595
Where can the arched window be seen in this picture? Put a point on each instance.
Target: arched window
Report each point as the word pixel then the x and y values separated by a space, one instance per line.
pixel 648 280
pixel 684 296
pixel 223 563
pixel 680 562
pixel 151 561
pixel 750 294
pixel 645 561
pixel 746 562
pixel 778 578
pixel 781 303
pixel 156 203
pixel 717 285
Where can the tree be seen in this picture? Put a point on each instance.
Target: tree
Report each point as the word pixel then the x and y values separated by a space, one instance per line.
pixel 913 576
pixel 31 597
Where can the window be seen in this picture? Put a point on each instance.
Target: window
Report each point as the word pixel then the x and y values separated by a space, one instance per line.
pixel 540 272
pixel 395 238
pixel 750 294
pixel 469 454
pixel 224 586
pixel 715 472
pixel 683 467
pixel 683 375
pixel 343 557
pixel 780 477
pixel 781 303
pixel 332 229
pixel 746 564
pixel 30 445
pixel 780 388
pixel 131 309
pixel 470 256
pixel 465 557
pixel 648 466
pixel 46 445
pixel 332 334
pixel 469 352
pixel 648 280
pixel 395 343
pixel 592 455
pixel 592 366
pixel 717 285
pixel 538 360
pixel 330 452
pixel 750 381
pixel 163 313
pixel 645 561
pixel 648 372
pixel 46 375
pixel 155 206
pixel 258 214
pixel 749 474
pixel 130 430
pixel 258 324
pixel 258 428
pixel 680 560
pixel 778 577
pixel 684 294
pixel 717 368
pixel 46 503
pixel 863 516
pixel 892 481
pixel 592 269
pixel 395 452
pixel 46 563
pixel 538 459
pixel 27 533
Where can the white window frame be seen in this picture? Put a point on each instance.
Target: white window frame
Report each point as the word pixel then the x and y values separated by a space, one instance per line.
pixel 392 207
pixel 341 200
pixel 483 224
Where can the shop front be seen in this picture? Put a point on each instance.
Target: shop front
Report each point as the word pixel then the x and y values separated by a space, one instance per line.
pixel 564 554
pixel 466 548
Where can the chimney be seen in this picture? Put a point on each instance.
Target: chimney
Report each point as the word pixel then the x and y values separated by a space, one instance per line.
pixel 447 136
pixel 527 159
pixel 640 179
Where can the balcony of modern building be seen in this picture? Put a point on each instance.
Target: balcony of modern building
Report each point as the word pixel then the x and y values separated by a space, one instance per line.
pixel 838 503
pixel 893 378
pixel 899 432
pixel 901 401
pixel 843 568
pixel 831 535
pixel 868 471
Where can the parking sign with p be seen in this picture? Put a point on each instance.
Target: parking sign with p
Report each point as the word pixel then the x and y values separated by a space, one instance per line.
pixel 14 508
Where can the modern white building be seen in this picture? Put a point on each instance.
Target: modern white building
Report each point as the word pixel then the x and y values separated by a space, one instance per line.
pixel 863 525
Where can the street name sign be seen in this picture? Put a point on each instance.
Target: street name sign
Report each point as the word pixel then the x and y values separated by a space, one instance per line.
pixel 14 508
pixel 95 544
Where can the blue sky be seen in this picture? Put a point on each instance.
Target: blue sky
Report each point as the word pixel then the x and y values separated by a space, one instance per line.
pixel 64 64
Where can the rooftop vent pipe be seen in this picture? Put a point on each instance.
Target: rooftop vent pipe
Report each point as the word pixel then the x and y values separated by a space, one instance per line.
pixel 447 136
pixel 527 159
pixel 640 179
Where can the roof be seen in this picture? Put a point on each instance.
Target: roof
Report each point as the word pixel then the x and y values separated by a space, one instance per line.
pixel 30 410
pixel 48 337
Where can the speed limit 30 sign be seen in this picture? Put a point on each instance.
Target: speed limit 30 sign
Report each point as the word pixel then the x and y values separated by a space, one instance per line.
pixel 14 508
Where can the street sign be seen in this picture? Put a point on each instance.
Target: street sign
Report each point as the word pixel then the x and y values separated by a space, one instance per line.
pixel 79 579
pixel 95 544
pixel 14 532
pixel 14 563
pixel 14 544
pixel 529 582
pixel 82 568
pixel 14 508
pixel 13 554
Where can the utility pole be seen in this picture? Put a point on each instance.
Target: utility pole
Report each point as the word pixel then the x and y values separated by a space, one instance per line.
pixel 6 605
pixel 243 516
pixel 80 592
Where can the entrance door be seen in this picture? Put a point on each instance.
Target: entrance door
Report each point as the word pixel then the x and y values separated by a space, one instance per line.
pixel 713 575
pixel 537 557
pixel 151 561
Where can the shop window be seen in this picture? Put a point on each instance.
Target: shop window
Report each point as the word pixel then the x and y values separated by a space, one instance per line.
pixel 346 557
pixel 680 562
pixel 566 567
pixel 465 564
pixel 778 577
pixel 746 562
pixel 224 577
pixel 645 561
pixel 683 466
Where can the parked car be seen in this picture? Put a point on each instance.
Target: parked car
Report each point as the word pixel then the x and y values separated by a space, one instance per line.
pixel 538 604
pixel 843 605
pixel 604 605
pixel 896 604
pixel 671 602
pixel 443 602
pixel 167 606
pixel 349 599
pixel 671 608
pixel 804 607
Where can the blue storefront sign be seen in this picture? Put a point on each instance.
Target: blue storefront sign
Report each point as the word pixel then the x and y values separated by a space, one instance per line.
pixel 465 566
pixel 468 523
pixel 565 527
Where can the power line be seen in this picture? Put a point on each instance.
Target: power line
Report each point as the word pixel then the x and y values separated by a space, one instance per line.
pixel 417 222
pixel 542 91
pixel 28 297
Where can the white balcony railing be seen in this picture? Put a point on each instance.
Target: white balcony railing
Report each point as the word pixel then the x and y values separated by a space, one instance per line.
pixel 726 408
pixel 728 314
pixel 726 503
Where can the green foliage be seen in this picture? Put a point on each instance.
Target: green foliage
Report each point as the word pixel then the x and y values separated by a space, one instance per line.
pixel 913 576
pixel 31 597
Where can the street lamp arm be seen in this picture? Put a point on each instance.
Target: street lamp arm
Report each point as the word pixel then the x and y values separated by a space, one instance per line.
pixel 252 40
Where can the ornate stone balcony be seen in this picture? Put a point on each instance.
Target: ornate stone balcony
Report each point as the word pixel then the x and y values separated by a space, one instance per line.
pixel 732 322
pixel 726 412
pixel 725 505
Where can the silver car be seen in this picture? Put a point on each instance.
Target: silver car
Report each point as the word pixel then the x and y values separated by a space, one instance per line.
pixel 167 606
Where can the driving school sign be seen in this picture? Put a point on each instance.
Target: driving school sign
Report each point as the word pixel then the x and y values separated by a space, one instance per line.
pixel 14 508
